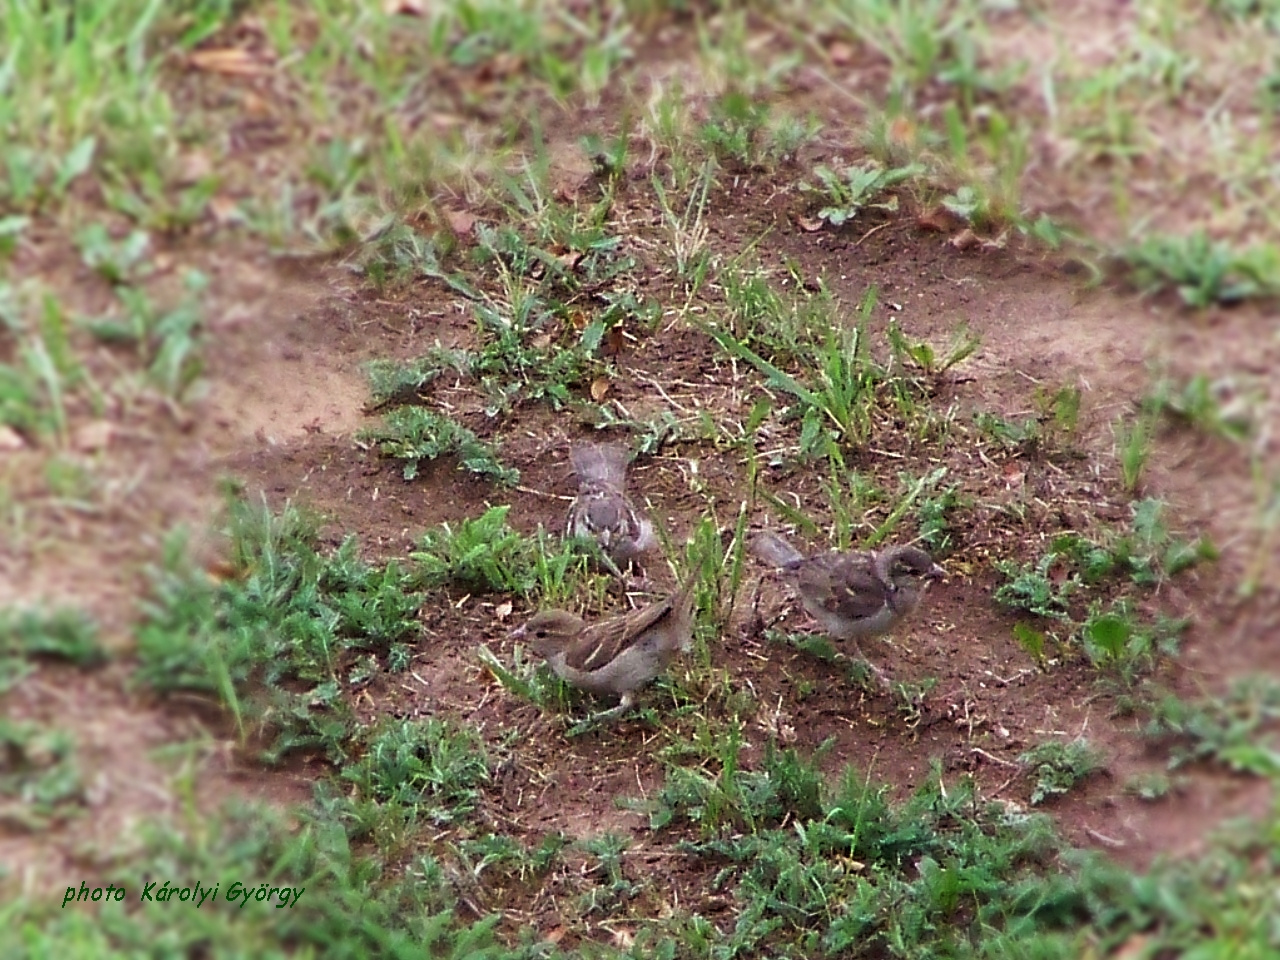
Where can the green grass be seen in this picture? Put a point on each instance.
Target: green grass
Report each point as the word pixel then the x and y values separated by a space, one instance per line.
pixel 1058 767
pixel 1203 271
pixel 483 554
pixel 1236 729
pixel 847 192
pixel 1093 592
pixel 414 434
pixel 278 640
pixel 840 393
pixel 120 151
pixel 40 783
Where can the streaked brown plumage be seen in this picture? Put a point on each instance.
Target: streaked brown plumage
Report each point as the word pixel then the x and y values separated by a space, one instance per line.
pixel 853 595
pixel 602 510
pixel 617 656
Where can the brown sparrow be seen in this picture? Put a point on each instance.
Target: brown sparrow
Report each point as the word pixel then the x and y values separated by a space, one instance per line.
pixel 617 656
pixel 853 595
pixel 602 511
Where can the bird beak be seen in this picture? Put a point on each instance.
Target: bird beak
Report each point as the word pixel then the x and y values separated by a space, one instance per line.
pixel 518 633
pixel 936 573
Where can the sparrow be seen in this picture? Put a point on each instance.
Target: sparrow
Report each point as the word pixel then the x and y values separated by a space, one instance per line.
pixel 617 656
pixel 602 510
pixel 854 595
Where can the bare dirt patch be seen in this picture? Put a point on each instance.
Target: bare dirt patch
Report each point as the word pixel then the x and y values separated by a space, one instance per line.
pixel 990 702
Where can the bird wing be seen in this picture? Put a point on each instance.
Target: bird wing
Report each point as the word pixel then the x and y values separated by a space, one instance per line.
pixel 846 585
pixel 601 642
pixel 771 548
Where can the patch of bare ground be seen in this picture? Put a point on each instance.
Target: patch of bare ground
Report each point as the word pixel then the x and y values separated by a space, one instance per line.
pixel 286 396
pixel 1038 328
pixel 150 468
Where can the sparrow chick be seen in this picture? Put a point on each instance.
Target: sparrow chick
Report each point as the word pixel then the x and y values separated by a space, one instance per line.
pixel 853 595
pixel 617 656
pixel 602 510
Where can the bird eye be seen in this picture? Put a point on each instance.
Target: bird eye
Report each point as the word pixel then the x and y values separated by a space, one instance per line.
pixel 540 633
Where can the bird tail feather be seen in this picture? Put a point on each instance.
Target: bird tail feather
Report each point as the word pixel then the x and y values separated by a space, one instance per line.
pixel 682 604
pixel 773 549
pixel 600 464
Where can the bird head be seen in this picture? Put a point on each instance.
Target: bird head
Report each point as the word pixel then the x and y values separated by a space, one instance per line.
pixel 550 631
pixel 911 567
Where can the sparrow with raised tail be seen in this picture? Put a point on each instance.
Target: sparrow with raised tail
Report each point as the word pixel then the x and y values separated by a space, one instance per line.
pixel 853 595
pixel 602 510
pixel 617 656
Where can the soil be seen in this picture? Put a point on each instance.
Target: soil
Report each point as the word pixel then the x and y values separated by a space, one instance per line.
pixel 286 398
pixel 1037 326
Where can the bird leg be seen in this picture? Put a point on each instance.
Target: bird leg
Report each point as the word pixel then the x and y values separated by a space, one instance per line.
pixel 879 674
pixel 595 719
pixel 607 562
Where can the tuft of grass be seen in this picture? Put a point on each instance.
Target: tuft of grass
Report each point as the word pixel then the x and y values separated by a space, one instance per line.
pixel 1236 730
pixel 1115 638
pixel 1133 448
pixel 278 639
pixel 1203 271
pixel 392 382
pixel 933 519
pixel 611 887
pixel 414 434
pixel 932 361
pixel 65 634
pixel 860 186
pixel 39 778
pixel 1031 588
pixel 167 342
pixel 342 902
pixel 483 554
pixel 839 387
pixel 1202 404
pixel 1058 767
pixel 1057 417
pixel 430 768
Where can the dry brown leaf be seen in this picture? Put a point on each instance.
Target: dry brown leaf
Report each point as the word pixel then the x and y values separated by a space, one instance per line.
pixel 404 8
pixel 966 239
pixel 808 225
pixel 999 243
pixel 939 219
pixel 1135 946
pixel 229 60
pixel 841 53
pixel 445 121
pixel 221 570
pixel 623 938
pixel 225 210
pixel 193 167
pixel 10 439
pixel 613 342
pixel 569 259
pixel 599 388
pixel 500 67
pixel 902 130
pixel 92 437
pixel 556 935
pixel 254 105
pixel 460 221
